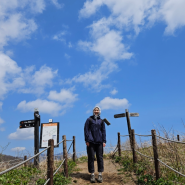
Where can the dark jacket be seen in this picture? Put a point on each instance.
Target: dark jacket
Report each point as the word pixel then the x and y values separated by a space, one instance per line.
pixel 94 130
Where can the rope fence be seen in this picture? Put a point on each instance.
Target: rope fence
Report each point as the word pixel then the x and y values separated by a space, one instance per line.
pixel 155 151
pixel 144 155
pixel 124 135
pixel 50 159
pixel 170 140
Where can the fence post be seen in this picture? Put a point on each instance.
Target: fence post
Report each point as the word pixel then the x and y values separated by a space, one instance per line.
pixel 25 158
pixel 133 146
pixel 50 156
pixel 178 138
pixel 156 162
pixel 119 144
pixel 65 156
pixel 74 149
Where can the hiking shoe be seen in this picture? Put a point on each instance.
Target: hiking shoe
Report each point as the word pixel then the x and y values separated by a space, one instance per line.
pixel 100 178
pixel 92 179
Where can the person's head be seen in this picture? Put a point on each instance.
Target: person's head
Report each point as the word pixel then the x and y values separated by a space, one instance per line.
pixel 96 111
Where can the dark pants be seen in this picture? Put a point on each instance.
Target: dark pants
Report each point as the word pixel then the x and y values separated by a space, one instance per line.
pixel 91 150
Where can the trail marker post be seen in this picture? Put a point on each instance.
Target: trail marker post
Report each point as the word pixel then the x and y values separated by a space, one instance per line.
pixel 36 136
pixel 33 123
pixel 127 115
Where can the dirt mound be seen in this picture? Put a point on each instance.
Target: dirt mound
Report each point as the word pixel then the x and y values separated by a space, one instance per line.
pixel 111 175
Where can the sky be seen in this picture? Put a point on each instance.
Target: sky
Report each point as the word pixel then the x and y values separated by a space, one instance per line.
pixel 65 57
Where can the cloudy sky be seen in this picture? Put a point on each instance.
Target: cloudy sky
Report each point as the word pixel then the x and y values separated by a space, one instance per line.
pixel 64 57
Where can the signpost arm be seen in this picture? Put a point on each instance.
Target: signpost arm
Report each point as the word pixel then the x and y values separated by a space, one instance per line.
pixel 36 137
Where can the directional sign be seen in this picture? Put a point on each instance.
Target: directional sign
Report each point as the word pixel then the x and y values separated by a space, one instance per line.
pixel 27 123
pixel 119 115
pixel 124 115
pixel 134 114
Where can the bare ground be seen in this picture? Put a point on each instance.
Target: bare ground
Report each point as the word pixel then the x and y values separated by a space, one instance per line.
pixel 111 175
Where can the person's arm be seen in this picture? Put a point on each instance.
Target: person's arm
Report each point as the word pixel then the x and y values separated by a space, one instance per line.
pixel 103 133
pixel 86 131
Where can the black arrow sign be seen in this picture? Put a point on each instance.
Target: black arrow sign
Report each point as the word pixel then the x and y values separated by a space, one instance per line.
pixel 27 124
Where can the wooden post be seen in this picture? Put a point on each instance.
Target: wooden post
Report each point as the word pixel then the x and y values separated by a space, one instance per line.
pixel 178 138
pixel 74 149
pixel 133 146
pixel 50 156
pixel 129 126
pixel 156 162
pixel 119 144
pixel 25 158
pixel 65 155
pixel 36 138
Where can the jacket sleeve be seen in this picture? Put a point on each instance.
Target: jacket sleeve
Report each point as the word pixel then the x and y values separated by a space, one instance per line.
pixel 103 132
pixel 86 131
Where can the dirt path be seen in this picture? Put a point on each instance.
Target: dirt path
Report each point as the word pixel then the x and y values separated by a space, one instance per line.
pixel 111 175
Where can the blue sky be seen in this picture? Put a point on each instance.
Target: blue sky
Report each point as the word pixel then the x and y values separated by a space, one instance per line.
pixel 64 57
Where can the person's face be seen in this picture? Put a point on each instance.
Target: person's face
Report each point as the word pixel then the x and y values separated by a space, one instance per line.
pixel 96 111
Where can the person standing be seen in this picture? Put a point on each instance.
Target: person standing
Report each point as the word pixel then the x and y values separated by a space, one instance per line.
pixel 95 138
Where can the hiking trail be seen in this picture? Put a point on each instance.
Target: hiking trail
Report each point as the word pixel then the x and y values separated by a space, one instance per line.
pixel 111 175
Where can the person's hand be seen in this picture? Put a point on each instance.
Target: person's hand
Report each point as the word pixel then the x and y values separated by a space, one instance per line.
pixel 87 143
pixel 104 144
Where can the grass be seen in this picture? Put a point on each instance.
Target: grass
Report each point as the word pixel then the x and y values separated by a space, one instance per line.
pixel 169 152
pixel 31 175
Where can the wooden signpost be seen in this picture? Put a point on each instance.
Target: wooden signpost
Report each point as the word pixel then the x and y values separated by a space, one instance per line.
pixel 36 136
pixel 127 115
pixel 33 123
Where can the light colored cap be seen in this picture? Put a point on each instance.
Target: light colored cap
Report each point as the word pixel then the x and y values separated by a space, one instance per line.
pixel 98 108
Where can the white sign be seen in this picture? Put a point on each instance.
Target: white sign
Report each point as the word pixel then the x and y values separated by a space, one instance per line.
pixel 49 131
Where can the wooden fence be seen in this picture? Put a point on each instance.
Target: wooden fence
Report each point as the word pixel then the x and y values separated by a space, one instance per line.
pixel 155 150
pixel 50 161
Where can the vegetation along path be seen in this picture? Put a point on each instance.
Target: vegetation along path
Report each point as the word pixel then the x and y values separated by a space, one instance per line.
pixel 111 175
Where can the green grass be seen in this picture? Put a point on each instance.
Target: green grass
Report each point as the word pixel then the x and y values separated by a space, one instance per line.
pixel 144 169
pixel 32 175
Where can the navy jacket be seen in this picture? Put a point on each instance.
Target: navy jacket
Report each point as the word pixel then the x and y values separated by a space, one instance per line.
pixel 94 130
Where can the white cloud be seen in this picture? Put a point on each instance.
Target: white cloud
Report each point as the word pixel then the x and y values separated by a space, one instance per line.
pixel 22 134
pixel 114 91
pixel 9 53
pixel 131 14
pixel 37 6
pixel 88 111
pixel 67 56
pixel 44 106
pixel 40 80
pixel 10 75
pixel 70 45
pixel 60 36
pixel 64 96
pixel 13 77
pixel 90 7
pixel 1 121
pixel 1 104
pixel 109 46
pixel 55 2
pixel 2 129
pixel 15 27
pixel 172 12
pixel 95 76
pixel 18 149
pixel 113 103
